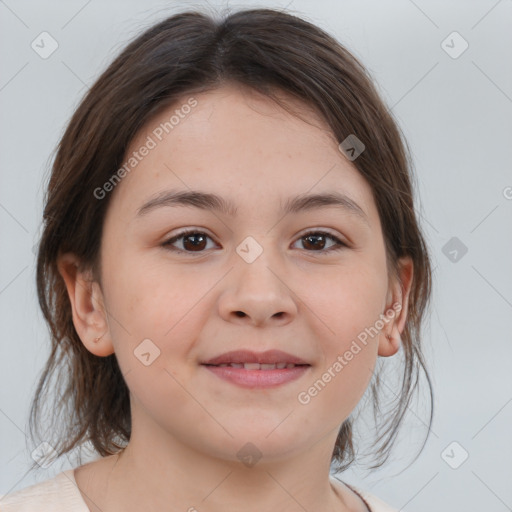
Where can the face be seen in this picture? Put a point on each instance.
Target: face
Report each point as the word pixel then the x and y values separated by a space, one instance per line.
pixel 307 281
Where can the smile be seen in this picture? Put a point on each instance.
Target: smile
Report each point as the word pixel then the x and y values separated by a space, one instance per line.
pixel 256 375
pixel 258 366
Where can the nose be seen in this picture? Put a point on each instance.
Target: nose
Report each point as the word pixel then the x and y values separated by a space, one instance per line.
pixel 257 293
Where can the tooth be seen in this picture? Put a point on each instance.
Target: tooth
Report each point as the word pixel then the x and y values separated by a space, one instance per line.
pixel 237 365
pixel 268 366
pixel 290 365
pixel 280 366
pixel 252 366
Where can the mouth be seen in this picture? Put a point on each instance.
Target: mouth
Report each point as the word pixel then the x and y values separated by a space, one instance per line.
pixel 257 370
pixel 257 366
pixel 265 360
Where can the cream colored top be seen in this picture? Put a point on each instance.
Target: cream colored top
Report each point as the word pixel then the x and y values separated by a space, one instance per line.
pixel 61 494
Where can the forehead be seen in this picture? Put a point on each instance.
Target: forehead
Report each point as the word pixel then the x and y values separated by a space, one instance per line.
pixel 241 145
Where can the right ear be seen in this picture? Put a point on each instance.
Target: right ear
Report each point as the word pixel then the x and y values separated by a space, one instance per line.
pixel 87 304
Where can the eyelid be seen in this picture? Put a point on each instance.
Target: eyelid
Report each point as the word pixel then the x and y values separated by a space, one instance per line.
pixel 325 231
pixel 187 231
pixel 340 242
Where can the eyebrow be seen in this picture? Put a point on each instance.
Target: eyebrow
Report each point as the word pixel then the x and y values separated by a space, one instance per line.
pixel 209 201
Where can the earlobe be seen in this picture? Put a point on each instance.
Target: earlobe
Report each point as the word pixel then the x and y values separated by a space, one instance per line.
pixel 390 345
pixel 87 305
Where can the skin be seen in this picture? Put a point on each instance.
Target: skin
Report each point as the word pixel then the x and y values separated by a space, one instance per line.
pixel 188 424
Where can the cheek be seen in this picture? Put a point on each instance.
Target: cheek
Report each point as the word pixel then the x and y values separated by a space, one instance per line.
pixel 148 299
pixel 350 312
pixel 154 318
pixel 349 301
pixel 149 295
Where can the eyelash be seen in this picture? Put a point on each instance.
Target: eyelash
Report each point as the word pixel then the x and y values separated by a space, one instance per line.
pixel 167 244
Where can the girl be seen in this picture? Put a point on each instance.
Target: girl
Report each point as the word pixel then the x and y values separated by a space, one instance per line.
pixel 229 244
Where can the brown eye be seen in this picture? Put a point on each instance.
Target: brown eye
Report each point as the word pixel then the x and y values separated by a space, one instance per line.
pixel 192 241
pixel 197 241
pixel 316 241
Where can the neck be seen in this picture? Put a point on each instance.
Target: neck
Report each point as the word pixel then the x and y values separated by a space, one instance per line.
pixel 161 474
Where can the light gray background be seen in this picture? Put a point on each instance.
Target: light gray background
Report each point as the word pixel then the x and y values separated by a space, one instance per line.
pixel 456 114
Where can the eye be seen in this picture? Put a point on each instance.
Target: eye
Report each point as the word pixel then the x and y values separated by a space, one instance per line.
pixel 192 240
pixel 196 241
pixel 317 241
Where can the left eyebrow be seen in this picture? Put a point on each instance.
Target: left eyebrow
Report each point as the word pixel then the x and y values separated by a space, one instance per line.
pixel 209 201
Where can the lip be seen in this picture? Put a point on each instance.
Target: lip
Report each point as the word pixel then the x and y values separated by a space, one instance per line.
pixel 248 356
pixel 251 378
pixel 258 378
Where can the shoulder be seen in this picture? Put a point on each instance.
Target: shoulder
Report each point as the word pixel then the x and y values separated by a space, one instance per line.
pixel 57 494
pixel 373 503
pixel 376 504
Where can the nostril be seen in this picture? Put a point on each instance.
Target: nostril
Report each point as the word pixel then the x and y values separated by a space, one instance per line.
pixel 239 313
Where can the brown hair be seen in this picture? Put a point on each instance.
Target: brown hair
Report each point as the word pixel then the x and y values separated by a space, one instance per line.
pixel 269 51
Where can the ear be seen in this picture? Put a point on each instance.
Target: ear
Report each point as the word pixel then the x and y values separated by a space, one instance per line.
pixel 87 304
pixel 397 302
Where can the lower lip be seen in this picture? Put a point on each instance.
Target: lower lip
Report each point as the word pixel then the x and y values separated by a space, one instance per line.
pixel 258 378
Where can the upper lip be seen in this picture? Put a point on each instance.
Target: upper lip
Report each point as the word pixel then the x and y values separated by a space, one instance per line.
pixel 248 356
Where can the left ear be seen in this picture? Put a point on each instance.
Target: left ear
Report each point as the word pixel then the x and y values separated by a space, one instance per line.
pixel 397 302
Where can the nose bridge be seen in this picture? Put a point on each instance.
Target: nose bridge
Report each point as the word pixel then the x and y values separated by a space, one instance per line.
pixel 258 263
pixel 257 286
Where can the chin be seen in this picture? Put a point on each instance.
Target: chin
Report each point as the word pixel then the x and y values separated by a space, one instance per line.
pixel 264 442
